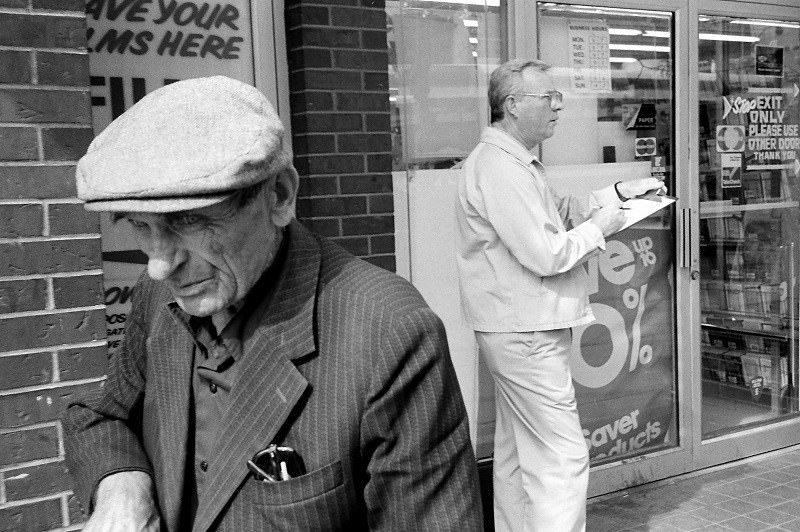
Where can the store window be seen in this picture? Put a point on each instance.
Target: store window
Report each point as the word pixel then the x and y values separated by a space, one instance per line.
pixel 441 56
pixel 749 72
pixel 615 68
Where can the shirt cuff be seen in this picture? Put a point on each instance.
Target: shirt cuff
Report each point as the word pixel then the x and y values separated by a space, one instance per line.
pixel 606 195
pixel 592 234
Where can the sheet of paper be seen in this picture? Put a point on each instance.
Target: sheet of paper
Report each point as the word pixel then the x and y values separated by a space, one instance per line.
pixel 637 209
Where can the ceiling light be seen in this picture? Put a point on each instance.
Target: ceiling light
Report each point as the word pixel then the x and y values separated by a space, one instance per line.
pixel 473 40
pixel 623 31
pixel 469 23
pixel 474 53
pixel 654 33
pixel 487 3
pixel 767 23
pixel 639 47
pixel 733 38
pixel 622 59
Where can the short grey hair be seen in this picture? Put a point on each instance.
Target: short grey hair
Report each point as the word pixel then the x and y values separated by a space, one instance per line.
pixel 506 79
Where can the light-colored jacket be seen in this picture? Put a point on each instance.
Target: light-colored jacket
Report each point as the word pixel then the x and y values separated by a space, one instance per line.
pixel 520 245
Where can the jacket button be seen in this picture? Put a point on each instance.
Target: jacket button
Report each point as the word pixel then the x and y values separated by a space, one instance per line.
pixel 204 466
pixel 212 387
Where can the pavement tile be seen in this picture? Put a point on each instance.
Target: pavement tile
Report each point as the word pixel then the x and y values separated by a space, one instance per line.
pixel 714 514
pixel 737 488
pixel 744 524
pixel 764 499
pixel 685 522
pixel 771 516
pixel 784 491
pixel 789 507
pixel 738 506
pixel 779 476
pixel 791 526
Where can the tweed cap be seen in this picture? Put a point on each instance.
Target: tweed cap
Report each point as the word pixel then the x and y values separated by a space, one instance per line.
pixel 184 146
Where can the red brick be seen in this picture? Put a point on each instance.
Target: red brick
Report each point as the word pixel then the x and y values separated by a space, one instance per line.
pixel 364 143
pixel 303 144
pixel 42 31
pixel 378 122
pixel 358 246
pixel 18 410
pixel 325 123
pixel 329 164
pixel 367 225
pixel 362 101
pixel 42 515
pixel 69 143
pixel 379 163
pixel 374 81
pixel 21 296
pixel 324 37
pixel 75 510
pixel 52 329
pixel 312 101
pixel 325 80
pixel 82 363
pixel 381 204
pixel 358 17
pixel 81 291
pixel 318 186
pixel 27 445
pixel 72 219
pixel 31 106
pixel 309 58
pixel 381 244
pixel 18 144
pixel 21 220
pixel 361 60
pixel 365 184
pixel 15 67
pixel 332 206
pixel 49 256
pixel 37 481
pixel 62 69
pixel 374 40
pixel 25 370
pixel 387 262
pixel 305 14
pixel 37 182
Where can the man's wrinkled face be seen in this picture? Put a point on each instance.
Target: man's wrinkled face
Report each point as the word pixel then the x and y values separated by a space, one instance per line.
pixel 537 118
pixel 210 257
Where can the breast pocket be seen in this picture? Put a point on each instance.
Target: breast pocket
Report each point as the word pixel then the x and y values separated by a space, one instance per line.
pixel 314 484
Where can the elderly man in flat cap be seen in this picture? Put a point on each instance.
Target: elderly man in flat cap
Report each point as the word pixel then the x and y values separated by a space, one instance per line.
pixel 268 379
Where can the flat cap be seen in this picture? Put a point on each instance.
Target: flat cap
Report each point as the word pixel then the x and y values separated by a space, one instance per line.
pixel 184 146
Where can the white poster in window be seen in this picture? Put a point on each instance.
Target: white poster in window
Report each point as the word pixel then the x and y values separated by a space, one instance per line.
pixel 135 47
pixel 589 55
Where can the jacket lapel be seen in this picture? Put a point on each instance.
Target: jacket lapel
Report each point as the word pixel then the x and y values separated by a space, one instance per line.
pixel 172 345
pixel 268 385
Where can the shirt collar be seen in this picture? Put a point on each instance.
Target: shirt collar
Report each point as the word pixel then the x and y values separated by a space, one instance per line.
pixel 499 138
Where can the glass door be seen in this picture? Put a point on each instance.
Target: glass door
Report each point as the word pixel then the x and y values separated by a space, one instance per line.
pixel 748 142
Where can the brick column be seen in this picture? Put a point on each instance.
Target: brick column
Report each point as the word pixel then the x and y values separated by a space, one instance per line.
pixel 52 321
pixel 338 75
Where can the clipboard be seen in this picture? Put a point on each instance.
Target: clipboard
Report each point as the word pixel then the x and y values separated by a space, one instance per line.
pixel 637 209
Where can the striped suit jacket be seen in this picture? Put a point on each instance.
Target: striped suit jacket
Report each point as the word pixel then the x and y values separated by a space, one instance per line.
pixel 349 367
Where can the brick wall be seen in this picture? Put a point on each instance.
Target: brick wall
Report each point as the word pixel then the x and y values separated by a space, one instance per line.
pixel 338 78
pixel 52 322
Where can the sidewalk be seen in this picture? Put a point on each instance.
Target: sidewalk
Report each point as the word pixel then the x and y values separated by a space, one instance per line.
pixel 756 494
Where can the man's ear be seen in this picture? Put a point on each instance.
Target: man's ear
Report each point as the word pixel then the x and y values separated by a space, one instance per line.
pixel 283 194
pixel 510 106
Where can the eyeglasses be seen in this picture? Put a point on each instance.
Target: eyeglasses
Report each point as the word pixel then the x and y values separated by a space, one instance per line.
pixel 275 463
pixel 555 97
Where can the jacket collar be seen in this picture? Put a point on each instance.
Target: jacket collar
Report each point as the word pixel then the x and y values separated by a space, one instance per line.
pixel 266 390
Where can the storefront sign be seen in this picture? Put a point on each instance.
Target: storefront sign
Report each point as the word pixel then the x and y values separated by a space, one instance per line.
pixel 731 169
pixel 135 47
pixel 623 363
pixel 639 116
pixel 589 55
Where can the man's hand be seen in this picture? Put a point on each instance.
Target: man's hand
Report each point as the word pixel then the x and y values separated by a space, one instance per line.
pixel 639 187
pixel 609 218
pixel 125 502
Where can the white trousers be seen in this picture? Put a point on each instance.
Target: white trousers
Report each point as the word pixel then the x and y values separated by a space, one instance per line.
pixel 541 463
